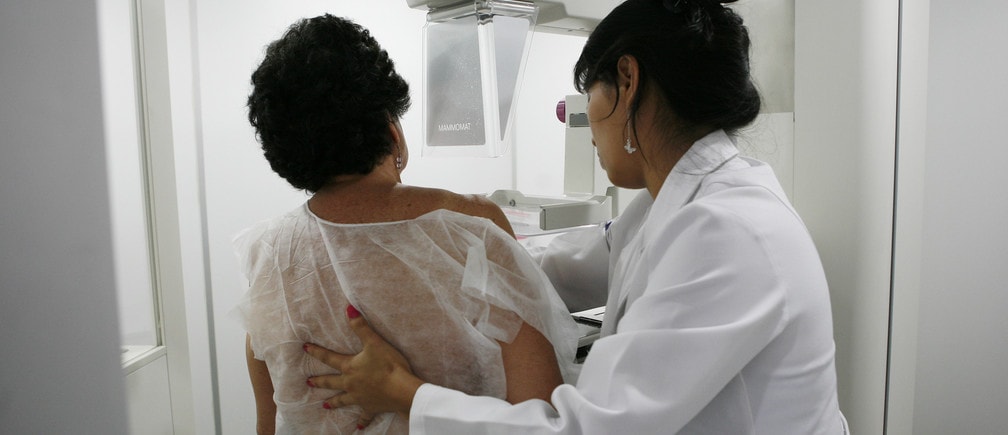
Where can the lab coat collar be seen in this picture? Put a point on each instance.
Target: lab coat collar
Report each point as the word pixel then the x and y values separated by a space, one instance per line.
pixel 706 155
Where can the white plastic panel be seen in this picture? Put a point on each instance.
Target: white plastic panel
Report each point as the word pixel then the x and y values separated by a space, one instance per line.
pixel 572 17
pixel 908 234
pixel 962 341
pixel 150 399
pixel 845 129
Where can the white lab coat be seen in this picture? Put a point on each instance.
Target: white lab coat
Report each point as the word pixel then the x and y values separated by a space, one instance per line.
pixel 717 321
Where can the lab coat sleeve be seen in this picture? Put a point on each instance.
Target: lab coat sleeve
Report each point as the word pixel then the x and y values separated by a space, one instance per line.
pixel 438 410
pixel 577 264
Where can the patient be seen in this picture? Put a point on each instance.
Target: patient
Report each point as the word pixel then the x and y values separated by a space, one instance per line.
pixel 437 273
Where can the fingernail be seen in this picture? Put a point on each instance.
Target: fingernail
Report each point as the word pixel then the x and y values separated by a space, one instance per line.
pixel 305 347
pixel 326 405
pixel 352 312
pixel 360 426
pixel 310 384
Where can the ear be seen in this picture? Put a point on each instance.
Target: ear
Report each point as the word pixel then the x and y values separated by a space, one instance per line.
pixel 399 150
pixel 628 76
pixel 395 133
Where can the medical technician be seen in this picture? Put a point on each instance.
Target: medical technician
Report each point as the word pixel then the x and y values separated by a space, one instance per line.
pixel 717 316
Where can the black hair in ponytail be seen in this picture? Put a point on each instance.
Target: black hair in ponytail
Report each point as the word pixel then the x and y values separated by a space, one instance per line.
pixel 695 51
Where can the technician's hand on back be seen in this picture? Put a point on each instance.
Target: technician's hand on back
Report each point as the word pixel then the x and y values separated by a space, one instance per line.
pixel 378 367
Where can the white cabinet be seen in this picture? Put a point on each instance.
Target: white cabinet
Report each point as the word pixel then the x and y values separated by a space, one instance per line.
pixel 149 394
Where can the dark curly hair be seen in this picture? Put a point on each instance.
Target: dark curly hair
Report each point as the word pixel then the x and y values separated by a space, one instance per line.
pixel 695 51
pixel 322 99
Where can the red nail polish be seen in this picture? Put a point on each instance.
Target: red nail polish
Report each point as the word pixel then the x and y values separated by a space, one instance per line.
pixel 326 405
pixel 360 426
pixel 352 312
pixel 310 384
pixel 305 347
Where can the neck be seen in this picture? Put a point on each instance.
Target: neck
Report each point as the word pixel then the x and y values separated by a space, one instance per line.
pixel 661 163
pixel 354 198
pixel 385 174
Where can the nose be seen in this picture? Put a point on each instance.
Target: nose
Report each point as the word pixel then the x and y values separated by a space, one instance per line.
pixel 593 143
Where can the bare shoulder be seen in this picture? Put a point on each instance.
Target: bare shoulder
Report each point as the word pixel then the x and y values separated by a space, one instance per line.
pixel 476 205
pixel 479 205
pixel 473 205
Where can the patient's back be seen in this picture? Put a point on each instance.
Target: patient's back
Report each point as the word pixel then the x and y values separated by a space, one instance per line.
pixel 443 287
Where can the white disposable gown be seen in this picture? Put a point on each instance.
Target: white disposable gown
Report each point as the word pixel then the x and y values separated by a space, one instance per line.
pixel 444 288
pixel 717 320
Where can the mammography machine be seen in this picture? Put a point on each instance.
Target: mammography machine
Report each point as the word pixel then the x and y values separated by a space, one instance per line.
pixel 474 59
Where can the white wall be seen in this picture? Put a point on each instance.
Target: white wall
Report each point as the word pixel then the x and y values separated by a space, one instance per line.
pixel 60 369
pixel 962 339
pixel 845 146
